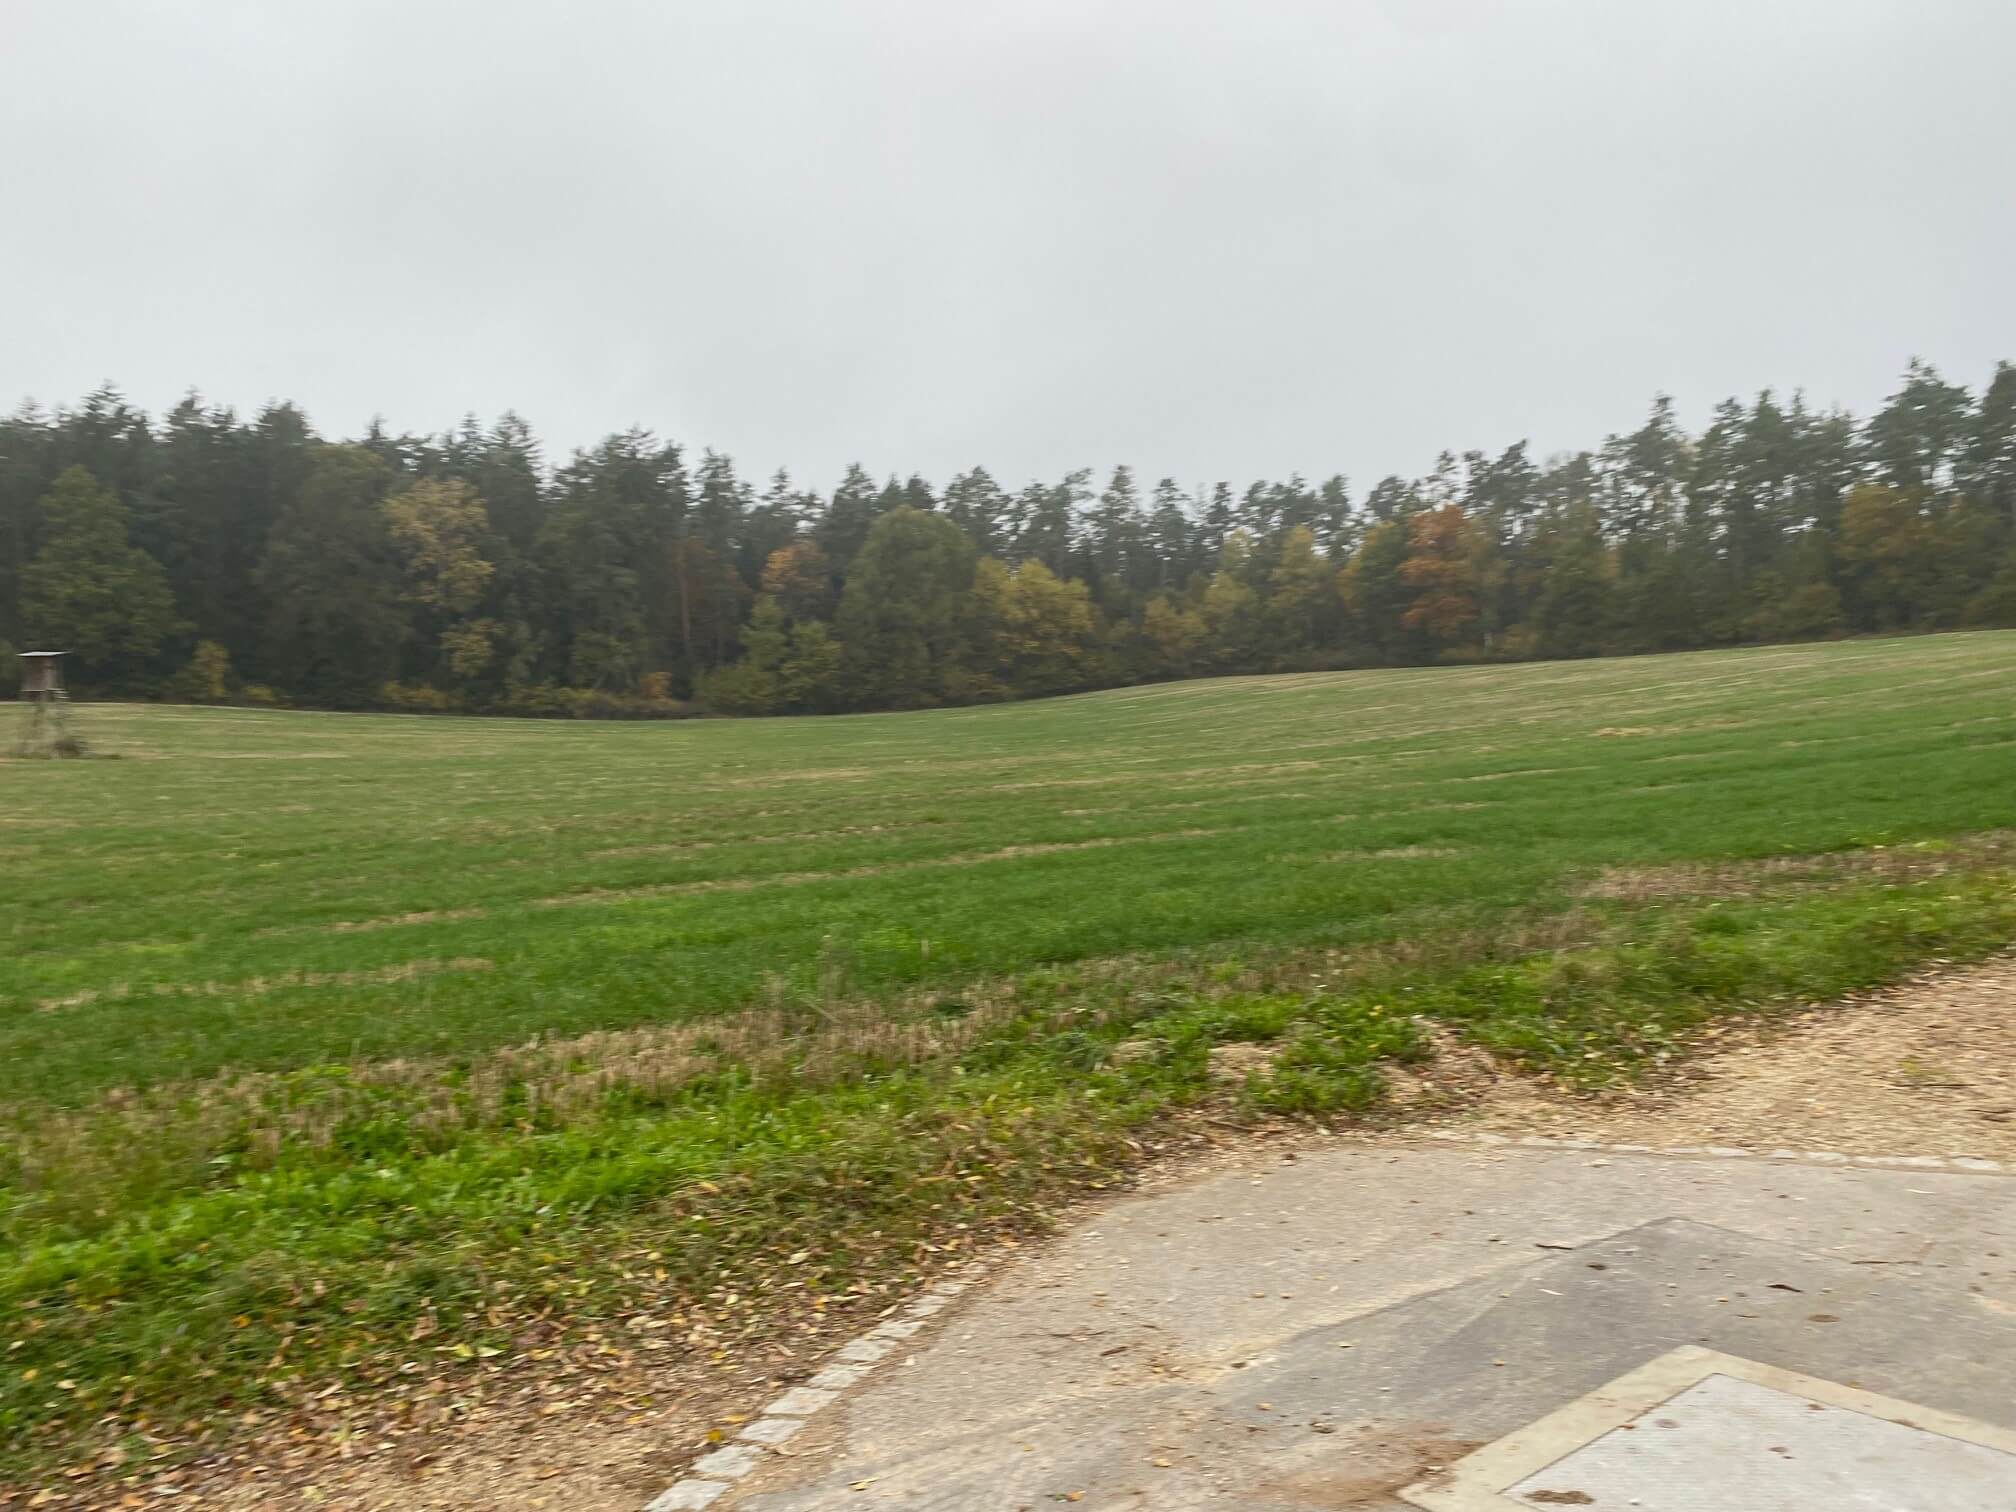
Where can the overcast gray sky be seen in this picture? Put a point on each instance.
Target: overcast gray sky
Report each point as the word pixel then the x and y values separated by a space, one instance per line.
pixel 1211 239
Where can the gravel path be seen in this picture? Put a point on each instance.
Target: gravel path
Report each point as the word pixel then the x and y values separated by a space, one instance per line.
pixel 1927 1067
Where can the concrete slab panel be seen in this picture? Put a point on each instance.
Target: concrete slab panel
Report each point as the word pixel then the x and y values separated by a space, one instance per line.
pixel 1727 1443
pixel 1331 1331
pixel 1700 1431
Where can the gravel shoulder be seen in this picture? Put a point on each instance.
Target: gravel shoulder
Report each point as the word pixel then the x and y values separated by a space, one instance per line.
pixel 1924 1067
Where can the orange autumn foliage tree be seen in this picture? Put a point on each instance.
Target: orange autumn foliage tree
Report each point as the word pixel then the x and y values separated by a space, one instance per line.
pixel 1441 569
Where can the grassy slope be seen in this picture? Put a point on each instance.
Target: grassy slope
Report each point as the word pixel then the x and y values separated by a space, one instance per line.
pixel 223 850
pixel 190 913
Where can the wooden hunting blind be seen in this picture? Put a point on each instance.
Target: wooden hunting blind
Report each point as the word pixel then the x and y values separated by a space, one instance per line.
pixel 41 672
pixel 46 731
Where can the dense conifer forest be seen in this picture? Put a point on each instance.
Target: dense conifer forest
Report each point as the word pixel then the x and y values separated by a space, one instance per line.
pixel 207 556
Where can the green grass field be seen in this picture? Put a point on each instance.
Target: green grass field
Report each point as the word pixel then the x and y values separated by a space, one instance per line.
pixel 314 1025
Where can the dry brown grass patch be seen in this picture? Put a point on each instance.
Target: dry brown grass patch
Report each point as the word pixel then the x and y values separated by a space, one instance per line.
pixel 1740 879
pixel 366 926
pixel 398 971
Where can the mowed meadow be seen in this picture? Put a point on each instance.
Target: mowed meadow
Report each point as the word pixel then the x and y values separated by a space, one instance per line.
pixel 329 1042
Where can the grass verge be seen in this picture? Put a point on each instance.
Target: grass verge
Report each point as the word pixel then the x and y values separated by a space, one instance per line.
pixel 336 1231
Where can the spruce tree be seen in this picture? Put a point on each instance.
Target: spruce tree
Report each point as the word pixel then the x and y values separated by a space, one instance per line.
pixel 332 583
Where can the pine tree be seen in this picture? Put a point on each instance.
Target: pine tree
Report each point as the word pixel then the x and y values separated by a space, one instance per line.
pixel 1391 499
pixel 1336 522
pixel 1172 534
pixel 709 550
pixel 502 465
pixel 1049 522
pixel 331 578
pixel 1114 536
pixel 1642 475
pixel 205 524
pixel 849 517
pixel 975 503
pixel 1916 438
pixel 1572 617
pixel 618 563
pixel 1989 469
pixel 771 524
pixel 1218 523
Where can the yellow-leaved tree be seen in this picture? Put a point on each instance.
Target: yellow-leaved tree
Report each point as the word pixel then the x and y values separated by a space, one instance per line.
pixel 438 527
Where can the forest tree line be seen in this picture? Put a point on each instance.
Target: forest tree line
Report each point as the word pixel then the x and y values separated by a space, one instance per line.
pixel 209 558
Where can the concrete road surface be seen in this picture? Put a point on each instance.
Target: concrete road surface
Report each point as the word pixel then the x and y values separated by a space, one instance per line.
pixel 1321 1330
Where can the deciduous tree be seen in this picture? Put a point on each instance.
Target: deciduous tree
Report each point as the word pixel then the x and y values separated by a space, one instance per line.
pixel 902 616
pixel 1440 572
pixel 90 591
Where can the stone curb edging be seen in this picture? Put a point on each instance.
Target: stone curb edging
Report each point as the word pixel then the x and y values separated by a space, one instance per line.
pixel 1967 1163
pixel 714 1473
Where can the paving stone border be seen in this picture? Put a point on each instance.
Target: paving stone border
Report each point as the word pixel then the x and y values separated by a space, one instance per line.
pixel 711 1475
